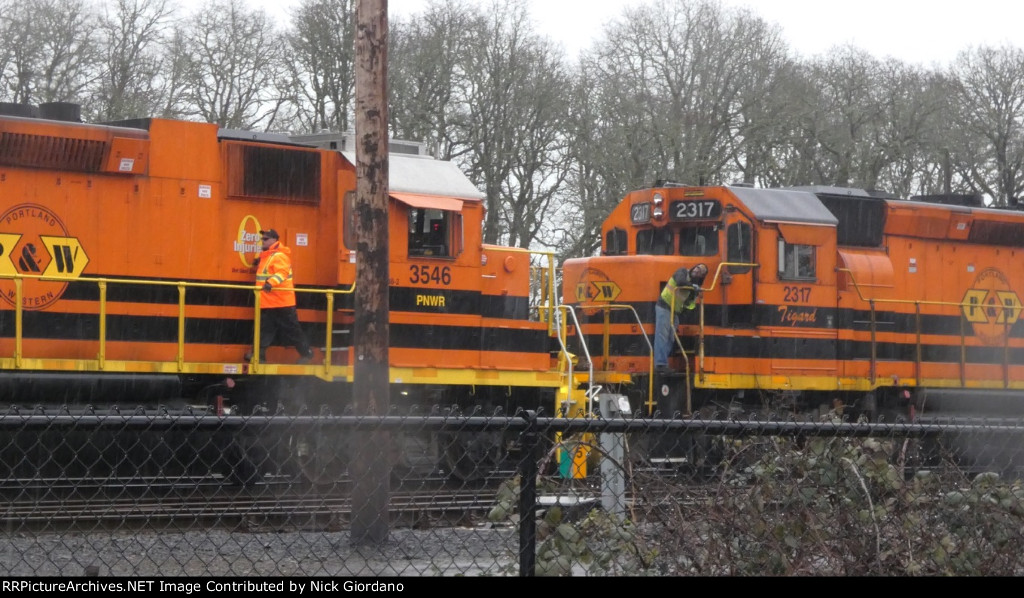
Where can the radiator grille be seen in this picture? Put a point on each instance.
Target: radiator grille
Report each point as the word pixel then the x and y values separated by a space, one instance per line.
pixel 59 153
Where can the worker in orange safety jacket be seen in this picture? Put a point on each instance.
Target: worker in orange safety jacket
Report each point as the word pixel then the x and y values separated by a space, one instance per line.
pixel 279 320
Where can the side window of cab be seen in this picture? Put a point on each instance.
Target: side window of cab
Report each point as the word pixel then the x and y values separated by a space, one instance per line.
pixel 432 233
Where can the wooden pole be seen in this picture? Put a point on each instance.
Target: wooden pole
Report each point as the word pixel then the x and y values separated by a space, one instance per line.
pixel 370 452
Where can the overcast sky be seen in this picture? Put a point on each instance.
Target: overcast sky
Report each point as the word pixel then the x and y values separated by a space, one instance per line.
pixel 916 31
pixel 923 32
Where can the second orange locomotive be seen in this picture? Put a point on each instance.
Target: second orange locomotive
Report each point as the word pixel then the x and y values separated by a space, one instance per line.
pixel 819 298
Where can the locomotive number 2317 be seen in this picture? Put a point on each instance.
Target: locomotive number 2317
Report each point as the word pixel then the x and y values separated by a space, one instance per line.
pixel 797 294
pixel 430 275
pixel 695 209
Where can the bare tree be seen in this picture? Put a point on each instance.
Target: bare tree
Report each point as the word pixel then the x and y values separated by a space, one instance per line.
pixel 989 95
pixel 590 195
pixel 321 55
pixel 49 52
pixel 135 36
pixel 670 91
pixel 863 122
pixel 686 70
pixel 773 144
pixel 515 90
pixel 16 45
pixel 235 69
pixel 841 114
pixel 912 122
pixel 176 77
pixel 425 75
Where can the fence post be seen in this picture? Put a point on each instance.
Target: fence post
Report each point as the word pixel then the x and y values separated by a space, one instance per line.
pixel 613 456
pixel 528 497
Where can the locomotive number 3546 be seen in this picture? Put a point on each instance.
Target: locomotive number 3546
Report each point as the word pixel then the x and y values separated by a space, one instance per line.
pixel 430 275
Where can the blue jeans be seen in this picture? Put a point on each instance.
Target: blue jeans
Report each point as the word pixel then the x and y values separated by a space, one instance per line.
pixel 664 334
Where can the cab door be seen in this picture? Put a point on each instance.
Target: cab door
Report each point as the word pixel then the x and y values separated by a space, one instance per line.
pixel 435 286
pixel 737 281
pixel 801 319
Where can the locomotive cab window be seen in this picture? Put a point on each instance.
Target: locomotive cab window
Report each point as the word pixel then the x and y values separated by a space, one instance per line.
pixel 654 241
pixel 739 247
pixel 432 232
pixel 615 242
pixel 699 240
pixel 796 262
pixel 348 234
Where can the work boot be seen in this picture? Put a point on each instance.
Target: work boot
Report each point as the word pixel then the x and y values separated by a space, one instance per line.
pixel 303 360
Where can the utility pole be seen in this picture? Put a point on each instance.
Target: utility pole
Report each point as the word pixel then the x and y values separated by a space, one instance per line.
pixel 370 454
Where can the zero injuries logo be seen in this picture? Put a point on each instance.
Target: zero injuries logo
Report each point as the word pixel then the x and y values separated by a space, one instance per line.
pixel 35 243
pixel 247 242
pixel 991 306
pixel 594 286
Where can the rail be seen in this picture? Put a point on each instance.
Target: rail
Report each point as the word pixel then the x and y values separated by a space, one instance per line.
pixel 1009 314
pixel 607 308
pixel 182 287
pixel 566 355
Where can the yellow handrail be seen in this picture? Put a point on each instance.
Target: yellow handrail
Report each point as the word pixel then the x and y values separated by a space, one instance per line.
pixel 605 343
pixel 182 287
pixel 917 303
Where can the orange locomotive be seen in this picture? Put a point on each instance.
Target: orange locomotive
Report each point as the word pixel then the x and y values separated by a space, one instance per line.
pixel 127 269
pixel 818 299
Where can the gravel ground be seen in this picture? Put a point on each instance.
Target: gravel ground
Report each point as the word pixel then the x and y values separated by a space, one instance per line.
pixel 434 552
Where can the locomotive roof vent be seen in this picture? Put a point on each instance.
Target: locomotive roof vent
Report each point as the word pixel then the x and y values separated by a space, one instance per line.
pixel 668 183
pixel 242 135
pixel 345 142
pixel 22 110
pixel 882 194
pixel 830 190
pixel 971 200
pixel 64 111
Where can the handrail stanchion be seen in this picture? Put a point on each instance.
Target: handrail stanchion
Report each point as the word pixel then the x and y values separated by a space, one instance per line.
pixel 329 323
pixel 586 353
pixel 181 326
pixel 18 323
pixel 256 331
pixel 102 357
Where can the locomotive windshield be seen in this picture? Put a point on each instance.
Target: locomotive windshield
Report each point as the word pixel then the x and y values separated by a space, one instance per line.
pixel 699 240
pixel 654 241
pixel 694 240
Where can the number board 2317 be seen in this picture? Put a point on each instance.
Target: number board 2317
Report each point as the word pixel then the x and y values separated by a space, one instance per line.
pixel 695 209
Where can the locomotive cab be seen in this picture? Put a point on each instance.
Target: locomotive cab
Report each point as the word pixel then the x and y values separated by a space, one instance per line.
pixel 767 312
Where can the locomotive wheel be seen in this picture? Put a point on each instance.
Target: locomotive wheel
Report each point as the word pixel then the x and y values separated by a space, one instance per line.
pixel 320 458
pixel 473 455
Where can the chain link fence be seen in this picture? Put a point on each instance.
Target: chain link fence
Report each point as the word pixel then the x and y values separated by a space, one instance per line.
pixel 450 494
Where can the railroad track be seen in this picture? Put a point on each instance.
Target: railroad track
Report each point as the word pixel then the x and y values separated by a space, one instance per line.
pixel 207 503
